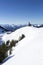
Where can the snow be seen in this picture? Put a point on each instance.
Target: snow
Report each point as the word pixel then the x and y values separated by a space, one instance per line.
pixel 27 31
pixel 1 41
pixel 29 51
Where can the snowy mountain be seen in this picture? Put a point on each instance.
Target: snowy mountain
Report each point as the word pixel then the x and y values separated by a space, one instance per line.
pixel 38 25
pixel 7 29
pixel 11 27
pixel 29 51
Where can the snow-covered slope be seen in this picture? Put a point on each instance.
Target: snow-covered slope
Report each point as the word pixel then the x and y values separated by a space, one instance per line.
pixel 7 29
pixel 27 31
pixel 29 51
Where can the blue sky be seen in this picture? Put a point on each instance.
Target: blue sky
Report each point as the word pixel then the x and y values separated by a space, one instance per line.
pixel 21 11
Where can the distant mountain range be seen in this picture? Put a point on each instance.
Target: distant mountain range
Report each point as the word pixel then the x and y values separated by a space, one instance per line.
pixel 6 27
pixel 38 26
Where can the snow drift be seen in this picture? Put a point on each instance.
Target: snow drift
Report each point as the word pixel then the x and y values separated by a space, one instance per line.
pixel 29 51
